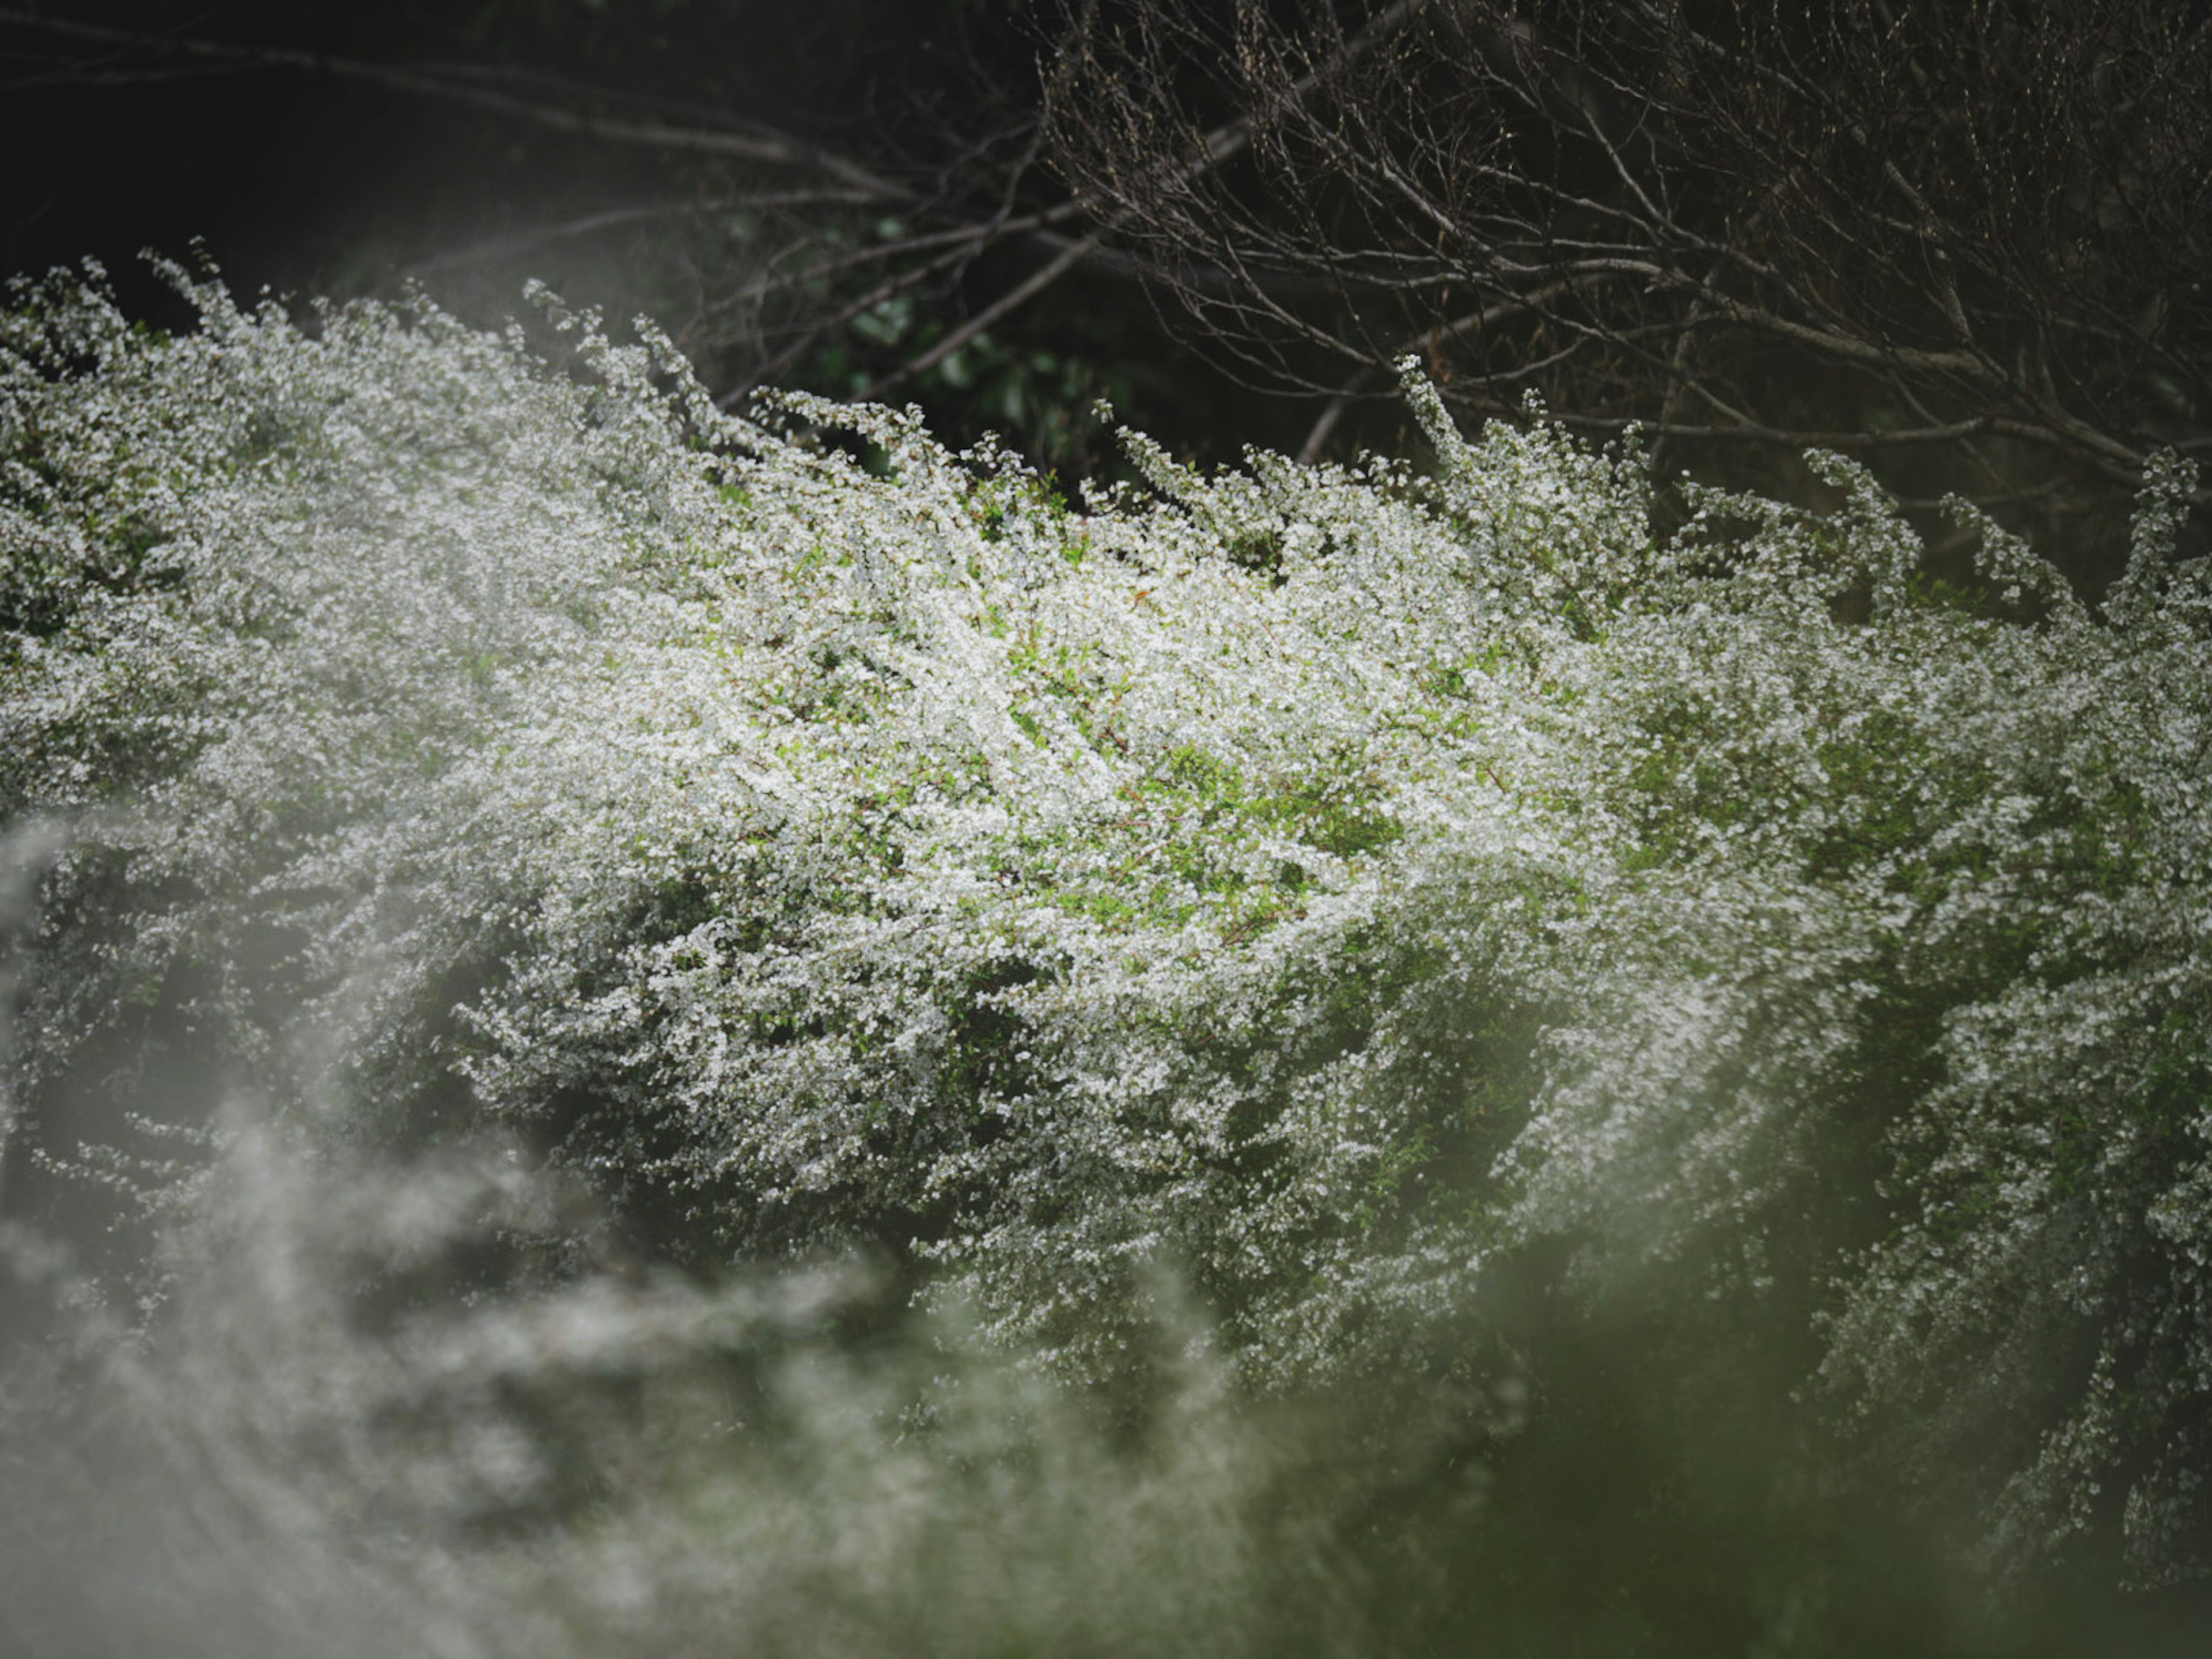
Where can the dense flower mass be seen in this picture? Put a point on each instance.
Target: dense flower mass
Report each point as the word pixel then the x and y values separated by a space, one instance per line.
pixel 1325 882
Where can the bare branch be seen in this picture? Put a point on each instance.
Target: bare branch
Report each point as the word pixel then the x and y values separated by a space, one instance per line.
pixel 1950 229
pixel 1020 294
pixel 758 145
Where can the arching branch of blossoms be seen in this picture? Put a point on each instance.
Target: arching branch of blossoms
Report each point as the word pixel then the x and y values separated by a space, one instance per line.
pixel 1352 886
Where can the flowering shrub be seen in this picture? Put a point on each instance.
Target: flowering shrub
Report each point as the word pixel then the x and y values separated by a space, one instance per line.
pixel 1325 881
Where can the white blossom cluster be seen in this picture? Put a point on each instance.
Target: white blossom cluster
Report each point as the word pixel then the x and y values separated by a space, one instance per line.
pixel 1321 880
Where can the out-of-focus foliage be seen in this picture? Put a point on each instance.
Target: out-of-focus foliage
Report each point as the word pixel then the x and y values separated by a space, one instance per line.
pixel 1334 888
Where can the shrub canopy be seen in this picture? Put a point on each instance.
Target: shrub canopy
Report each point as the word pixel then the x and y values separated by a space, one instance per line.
pixel 1328 882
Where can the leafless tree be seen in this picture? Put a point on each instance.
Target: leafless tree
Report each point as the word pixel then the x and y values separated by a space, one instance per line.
pixel 788 239
pixel 1969 239
pixel 782 241
pixel 1971 228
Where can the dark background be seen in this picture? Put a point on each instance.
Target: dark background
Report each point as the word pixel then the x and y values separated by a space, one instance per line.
pixel 307 178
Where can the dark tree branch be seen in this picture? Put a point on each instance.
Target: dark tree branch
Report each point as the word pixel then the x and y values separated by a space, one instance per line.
pixel 1988 218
